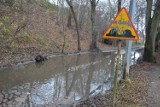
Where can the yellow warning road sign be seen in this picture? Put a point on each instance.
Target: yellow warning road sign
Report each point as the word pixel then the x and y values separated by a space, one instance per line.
pixel 121 27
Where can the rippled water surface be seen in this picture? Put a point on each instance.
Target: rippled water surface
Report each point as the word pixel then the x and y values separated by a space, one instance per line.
pixel 61 78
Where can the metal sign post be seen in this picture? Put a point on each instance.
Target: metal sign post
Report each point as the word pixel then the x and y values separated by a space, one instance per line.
pixel 122 28
pixel 132 10
pixel 116 73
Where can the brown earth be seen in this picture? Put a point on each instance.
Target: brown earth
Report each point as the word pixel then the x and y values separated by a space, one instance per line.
pixel 154 89
pixel 34 30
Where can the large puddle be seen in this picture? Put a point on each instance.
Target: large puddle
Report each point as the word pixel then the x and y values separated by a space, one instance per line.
pixel 61 79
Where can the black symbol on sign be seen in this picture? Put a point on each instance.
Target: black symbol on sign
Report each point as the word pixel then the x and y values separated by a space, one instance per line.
pixel 126 33
pixel 113 32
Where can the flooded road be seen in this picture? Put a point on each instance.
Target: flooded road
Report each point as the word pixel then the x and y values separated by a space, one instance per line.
pixel 61 79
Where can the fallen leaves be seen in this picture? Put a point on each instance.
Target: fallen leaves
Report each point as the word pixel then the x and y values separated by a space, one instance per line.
pixel 131 93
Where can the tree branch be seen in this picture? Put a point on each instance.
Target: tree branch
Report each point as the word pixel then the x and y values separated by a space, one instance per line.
pixel 97 2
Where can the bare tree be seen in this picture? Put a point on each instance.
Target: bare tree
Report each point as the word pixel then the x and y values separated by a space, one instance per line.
pixel 140 17
pixel 152 22
pixel 119 5
pixel 76 23
pixel 64 36
pixel 93 14
pixel 69 24
pixel 59 11
pixel 79 9
pixel 81 12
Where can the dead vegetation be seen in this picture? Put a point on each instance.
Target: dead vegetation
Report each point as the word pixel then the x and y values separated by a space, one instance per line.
pixel 129 94
pixel 30 29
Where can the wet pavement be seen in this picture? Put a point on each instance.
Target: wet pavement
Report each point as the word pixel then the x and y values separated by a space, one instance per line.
pixel 61 80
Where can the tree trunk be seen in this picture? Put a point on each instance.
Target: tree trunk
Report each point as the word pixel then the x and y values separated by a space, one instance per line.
pixel 64 36
pixel 78 11
pixel 1 2
pixel 69 24
pixel 157 43
pixel 58 11
pixel 76 23
pixel 83 15
pixel 148 48
pixel 21 5
pixel 151 31
pixel 94 35
pixel 119 5
pixel 154 27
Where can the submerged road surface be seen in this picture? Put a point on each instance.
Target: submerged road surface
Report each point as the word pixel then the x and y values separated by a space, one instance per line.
pixel 61 79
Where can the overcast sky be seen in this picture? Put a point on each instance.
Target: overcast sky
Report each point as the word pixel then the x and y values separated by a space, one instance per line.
pixel 124 2
pixel 56 1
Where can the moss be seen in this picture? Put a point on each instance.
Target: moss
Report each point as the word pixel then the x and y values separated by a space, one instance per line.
pixel 26 37
pixel 5 31
pixel 6 18
pixel 40 39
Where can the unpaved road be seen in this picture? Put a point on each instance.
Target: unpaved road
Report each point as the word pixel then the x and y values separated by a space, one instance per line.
pixel 154 89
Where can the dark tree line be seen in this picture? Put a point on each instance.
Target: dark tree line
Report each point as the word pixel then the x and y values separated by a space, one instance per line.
pixel 152 24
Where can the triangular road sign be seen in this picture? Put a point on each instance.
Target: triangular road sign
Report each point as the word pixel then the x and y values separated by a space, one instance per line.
pixel 121 27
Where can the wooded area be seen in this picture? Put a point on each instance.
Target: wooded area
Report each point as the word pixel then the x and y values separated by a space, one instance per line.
pixel 81 63
pixel 88 18
pixel 152 29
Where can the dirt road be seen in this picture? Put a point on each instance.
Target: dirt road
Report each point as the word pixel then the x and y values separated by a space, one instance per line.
pixel 154 89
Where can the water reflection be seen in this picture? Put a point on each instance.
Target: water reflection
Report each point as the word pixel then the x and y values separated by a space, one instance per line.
pixel 78 81
pixel 136 56
pixel 62 78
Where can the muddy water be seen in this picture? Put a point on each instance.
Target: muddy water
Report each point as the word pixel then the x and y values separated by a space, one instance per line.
pixel 61 79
